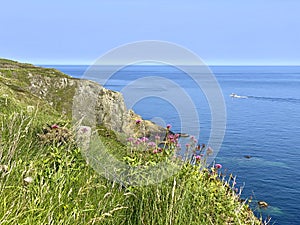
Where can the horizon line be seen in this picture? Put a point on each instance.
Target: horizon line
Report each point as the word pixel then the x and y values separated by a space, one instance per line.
pixel 81 64
pixel 66 63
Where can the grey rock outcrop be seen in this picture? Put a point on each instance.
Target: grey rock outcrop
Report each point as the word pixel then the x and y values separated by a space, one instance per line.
pixel 96 105
pixel 81 100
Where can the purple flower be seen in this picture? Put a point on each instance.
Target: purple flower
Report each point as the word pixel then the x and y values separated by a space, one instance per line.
pixel 131 139
pixel 152 144
pixel 169 126
pixel 198 157
pixel 171 137
pixel 137 142
pixel 54 126
pixel 138 121
pixel 144 139
pixel 187 145
pixel 218 166
pixel 157 137
pixel 172 140
pixel 155 151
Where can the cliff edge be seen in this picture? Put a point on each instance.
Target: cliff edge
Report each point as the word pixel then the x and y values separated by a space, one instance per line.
pixel 29 85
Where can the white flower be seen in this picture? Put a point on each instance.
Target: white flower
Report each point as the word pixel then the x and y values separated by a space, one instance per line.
pixel 4 168
pixel 28 180
pixel 30 108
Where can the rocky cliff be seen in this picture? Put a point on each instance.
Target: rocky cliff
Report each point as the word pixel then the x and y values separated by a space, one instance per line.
pixel 28 85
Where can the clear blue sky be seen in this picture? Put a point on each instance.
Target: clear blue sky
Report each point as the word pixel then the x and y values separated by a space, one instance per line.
pixel 219 31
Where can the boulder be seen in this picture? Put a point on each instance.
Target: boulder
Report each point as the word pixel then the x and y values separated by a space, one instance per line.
pixel 262 204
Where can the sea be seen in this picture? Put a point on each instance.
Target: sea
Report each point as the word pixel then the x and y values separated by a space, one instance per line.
pixel 261 144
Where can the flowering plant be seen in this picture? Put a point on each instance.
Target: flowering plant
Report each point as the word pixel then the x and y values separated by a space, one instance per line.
pixel 144 152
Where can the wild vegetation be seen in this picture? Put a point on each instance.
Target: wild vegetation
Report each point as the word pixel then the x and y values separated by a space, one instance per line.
pixel 44 178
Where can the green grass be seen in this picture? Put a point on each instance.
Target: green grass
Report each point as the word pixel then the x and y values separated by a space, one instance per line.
pixel 28 84
pixel 65 190
pixel 44 178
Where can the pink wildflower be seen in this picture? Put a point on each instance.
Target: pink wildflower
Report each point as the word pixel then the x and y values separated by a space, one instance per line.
pixel 218 166
pixel 137 142
pixel 144 139
pixel 152 144
pixel 54 126
pixel 170 136
pixel 155 151
pixel 169 126
pixel 198 157
pixel 157 137
pixel 138 121
pixel 131 139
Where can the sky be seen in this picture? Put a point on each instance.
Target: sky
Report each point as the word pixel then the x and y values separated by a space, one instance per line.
pixel 231 32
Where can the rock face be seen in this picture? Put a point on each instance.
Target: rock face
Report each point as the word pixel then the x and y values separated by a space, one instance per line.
pixel 96 105
pixel 57 91
pixel 82 100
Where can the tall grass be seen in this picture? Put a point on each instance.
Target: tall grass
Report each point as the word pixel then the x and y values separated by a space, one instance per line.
pixel 63 189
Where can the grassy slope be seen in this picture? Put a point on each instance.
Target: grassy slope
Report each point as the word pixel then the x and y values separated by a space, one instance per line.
pixel 15 83
pixel 65 190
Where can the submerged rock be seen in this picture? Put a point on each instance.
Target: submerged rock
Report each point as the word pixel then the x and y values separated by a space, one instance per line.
pixel 183 135
pixel 262 204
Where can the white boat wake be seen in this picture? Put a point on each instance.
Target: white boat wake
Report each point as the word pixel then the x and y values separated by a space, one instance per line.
pixel 233 95
pixel 261 98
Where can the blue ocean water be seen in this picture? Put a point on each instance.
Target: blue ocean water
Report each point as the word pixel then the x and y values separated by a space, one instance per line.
pixel 264 125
